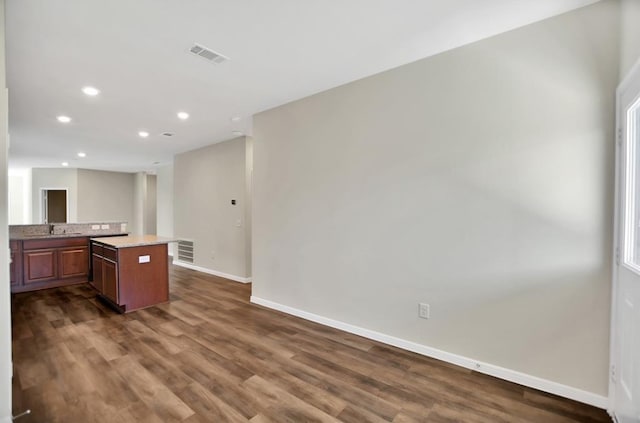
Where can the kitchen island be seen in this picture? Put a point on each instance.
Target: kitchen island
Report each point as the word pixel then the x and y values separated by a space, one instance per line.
pixel 131 272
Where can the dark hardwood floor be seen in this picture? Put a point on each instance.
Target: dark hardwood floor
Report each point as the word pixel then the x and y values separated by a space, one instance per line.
pixel 211 356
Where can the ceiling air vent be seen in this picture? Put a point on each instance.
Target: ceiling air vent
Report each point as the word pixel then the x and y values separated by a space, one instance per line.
pixel 167 134
pixel 208 54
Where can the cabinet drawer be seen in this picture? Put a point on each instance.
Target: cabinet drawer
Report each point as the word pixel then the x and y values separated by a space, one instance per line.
pixel 97 249
pixel 37 244
pixel 110 253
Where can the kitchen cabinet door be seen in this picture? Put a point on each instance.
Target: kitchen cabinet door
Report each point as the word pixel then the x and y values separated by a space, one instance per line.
pixel 97 273
pixel 40 265
pixel 74 262
pixel 110 280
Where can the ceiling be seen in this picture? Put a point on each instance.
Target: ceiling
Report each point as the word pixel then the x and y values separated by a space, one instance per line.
pixel 137 54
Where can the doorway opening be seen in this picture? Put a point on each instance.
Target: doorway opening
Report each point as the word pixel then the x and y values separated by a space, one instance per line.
pixel 54 205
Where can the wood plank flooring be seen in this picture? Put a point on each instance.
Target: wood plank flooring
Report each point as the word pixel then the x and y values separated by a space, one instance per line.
pixel 211 356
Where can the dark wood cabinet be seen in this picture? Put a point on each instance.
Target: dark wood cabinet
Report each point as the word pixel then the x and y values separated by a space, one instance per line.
pixel 105 271
pixel 96 264
pixel 40 266
pixel 110 281
pixel 131 278
pixel 15 268
pixel 48 262
pixel 74 262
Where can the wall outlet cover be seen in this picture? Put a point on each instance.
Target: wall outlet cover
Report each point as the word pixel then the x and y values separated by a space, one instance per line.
pixel 423 310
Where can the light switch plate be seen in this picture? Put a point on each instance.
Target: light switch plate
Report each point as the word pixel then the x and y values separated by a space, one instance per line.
pixel 95 227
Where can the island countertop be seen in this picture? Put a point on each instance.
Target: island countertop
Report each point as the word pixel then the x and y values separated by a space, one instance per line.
pixel 133 240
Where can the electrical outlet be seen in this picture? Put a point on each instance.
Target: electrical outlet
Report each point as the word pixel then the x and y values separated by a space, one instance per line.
pixel 423 310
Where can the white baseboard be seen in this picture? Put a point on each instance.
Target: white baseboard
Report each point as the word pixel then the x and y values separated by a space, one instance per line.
pixel 614 417
pixel 490 369
pixel 212 272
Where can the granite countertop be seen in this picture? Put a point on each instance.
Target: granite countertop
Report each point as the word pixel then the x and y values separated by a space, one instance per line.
pixel 54 236
pixel 133 240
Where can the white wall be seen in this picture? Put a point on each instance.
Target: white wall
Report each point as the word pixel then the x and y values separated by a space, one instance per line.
pixel 205 182
pixel 5 303
pixel 164 201
pixel 629 35
pixel 479 181
pixel 16 199
pixel 44 178
pixel 20 196
pixel 105 196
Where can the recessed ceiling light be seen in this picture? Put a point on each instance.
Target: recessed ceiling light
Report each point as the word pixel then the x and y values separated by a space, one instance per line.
pixel 236 119
pixel 65 164
pixel 183 115
pixel 91 91
pixel 81 154
pixel 237 133
pixel 143 134
pixel 64 119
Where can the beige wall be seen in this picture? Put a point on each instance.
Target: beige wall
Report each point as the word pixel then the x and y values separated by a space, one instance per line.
pixel 105 196
pixel 93 195
pixel 205 182
pixel 54 179
pixel 479 181
pixel 164 209
pixel 144 204
pixel 150 201
pixel 5 303
pixel 139 196
pixel 248 199
pixel 629 35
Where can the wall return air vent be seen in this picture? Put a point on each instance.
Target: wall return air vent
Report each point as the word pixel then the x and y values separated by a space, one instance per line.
pixel 208 54
pixel 185 250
